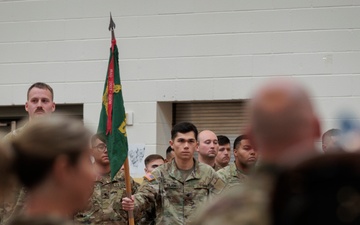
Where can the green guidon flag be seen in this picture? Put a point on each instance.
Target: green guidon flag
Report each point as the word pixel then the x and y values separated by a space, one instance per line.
pixel 112 123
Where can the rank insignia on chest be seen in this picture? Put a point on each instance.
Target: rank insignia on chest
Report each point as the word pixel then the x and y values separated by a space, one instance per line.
pixel 149 177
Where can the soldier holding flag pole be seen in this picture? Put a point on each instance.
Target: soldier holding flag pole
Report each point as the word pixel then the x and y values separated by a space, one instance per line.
pixel 112 123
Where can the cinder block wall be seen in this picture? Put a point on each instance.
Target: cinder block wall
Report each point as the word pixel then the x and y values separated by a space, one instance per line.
pixel 180 50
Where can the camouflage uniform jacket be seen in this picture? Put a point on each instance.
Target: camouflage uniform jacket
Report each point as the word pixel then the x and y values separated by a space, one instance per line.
pixel 105 204
pixel 13 201
pixel 216 167
pixel 43 220
pixel 245 204
pixel 149 215
pixel 175 200
pixel 231 175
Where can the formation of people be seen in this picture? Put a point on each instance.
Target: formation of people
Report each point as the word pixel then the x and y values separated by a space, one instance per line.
pixel 54 171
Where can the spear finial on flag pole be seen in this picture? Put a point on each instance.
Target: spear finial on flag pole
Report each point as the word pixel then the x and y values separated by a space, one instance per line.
pixel 112 123
pixel 112 27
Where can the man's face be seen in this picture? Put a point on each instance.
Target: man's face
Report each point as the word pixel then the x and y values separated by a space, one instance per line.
pixel 39 102
pixel 223 156
pixel 245 154
pixel 208 144
pixel 153 165
pixel 184 145
pixel 100 153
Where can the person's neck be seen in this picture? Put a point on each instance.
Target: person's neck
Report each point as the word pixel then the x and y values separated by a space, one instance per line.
pixel 245 169
pixel 184 164
pixel 222 165
pixel 45 202
pixel 102 169
pixel 209 161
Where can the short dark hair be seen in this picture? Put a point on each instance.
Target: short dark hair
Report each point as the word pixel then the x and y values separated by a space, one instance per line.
pixel 41 85
pixel 152 157
pixel 95 137
pixel 331 133
pixel 183 127
pixel 239 139
pixel 169 150
pixel 223 140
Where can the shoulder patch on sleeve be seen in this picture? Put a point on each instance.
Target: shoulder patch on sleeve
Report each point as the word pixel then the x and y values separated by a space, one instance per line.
pixel 149 177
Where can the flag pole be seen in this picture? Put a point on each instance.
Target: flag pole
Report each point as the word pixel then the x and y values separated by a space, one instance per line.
pixel 128 189
pixel 126 163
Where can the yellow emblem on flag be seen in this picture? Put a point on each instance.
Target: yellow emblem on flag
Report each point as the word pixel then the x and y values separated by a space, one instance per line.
pixel 105 100
pixel 122 127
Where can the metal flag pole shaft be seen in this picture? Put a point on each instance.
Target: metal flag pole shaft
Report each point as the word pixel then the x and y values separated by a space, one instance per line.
pixel 126 163
pixel 128 189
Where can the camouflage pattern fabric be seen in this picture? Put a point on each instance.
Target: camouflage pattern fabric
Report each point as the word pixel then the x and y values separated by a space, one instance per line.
pixel 232 176
pixel 43 220
pixel 105 204
pixel 13 201
pixel 174 199
pixel 217 167
pixel 9 203
pixel 148 217
pixel 246 204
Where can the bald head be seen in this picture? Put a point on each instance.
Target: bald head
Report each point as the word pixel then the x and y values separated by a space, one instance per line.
pixel 208 147
pixel 282 117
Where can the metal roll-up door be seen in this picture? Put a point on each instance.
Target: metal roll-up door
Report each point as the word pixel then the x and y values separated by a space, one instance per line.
pixel 224 118
pixel 12 117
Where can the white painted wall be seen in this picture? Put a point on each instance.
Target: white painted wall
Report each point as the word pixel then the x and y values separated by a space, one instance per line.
pixel 180 50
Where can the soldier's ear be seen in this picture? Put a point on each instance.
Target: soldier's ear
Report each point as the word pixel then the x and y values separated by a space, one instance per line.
pixel 171 143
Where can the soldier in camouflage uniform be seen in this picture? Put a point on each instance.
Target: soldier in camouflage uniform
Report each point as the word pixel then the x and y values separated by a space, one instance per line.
pixel 284 127
pixel 105 204
pixel 179 187
pixel 245 159
pixel 224 154
pixel 40 101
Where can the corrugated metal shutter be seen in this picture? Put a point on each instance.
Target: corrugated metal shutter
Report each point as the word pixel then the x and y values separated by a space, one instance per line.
pixel 223 118
pixel 10 116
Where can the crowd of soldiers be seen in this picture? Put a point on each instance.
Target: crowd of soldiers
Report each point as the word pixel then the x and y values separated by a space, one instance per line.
pixel 50 174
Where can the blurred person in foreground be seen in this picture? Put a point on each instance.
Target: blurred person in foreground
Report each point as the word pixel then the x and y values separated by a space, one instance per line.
pixel 208 148
pixel 223 156
pixel 284 127
pixel 246 157
pixel 330 140
pixel 51 158
pixel 179 187
pixel 323 190
pixel 105 203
